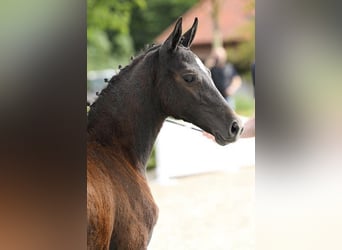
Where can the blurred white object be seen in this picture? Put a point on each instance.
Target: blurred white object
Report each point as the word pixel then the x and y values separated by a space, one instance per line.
pixel 181 151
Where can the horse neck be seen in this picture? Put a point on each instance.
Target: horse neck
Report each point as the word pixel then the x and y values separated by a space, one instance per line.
pixel 127 115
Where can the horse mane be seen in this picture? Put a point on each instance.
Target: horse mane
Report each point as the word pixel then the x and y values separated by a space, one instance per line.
pixel 117 77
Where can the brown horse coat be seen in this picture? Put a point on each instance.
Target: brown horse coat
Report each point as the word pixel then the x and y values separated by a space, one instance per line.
pixel 118 197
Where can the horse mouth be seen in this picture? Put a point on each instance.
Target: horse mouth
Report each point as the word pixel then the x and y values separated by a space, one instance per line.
pixel 224 141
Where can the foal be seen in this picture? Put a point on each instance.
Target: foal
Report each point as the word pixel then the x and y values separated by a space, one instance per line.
pixel 123 123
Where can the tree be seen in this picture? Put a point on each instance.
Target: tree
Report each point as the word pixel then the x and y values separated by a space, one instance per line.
pixel 217 37
pixel 243 55
pixel 147 23
pixel 108 36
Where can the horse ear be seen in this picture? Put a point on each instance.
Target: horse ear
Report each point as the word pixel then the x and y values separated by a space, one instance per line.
pixel 189 36
pixel 172 41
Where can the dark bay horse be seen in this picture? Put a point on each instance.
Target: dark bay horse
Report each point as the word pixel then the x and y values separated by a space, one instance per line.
pixel 123 123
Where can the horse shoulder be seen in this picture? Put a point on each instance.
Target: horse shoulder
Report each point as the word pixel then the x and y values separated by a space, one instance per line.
pixel 100 206
pixel 136 211
pixel 121 209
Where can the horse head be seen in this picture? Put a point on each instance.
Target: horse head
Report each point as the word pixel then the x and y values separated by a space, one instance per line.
pixel 187 91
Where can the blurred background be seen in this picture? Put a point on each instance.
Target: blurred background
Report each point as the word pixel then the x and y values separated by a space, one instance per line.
pixel 298 155
pixel 204 191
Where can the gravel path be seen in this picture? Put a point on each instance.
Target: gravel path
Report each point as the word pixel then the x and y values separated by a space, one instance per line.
pixel 208 211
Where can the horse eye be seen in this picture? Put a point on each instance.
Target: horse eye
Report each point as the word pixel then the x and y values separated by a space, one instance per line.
pixel 189 78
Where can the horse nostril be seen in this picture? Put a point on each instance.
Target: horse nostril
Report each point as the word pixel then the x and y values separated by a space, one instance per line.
pixel 235 129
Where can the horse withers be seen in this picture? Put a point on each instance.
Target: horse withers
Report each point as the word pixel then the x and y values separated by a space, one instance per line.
pixel 123 123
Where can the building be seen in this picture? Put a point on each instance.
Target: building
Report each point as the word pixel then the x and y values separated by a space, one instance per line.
pixel 234 16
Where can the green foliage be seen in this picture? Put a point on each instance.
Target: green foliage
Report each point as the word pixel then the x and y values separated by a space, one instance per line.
pixel 243 55
pixel 117 28
pixel 111 15
pixel 148 23
pixel 108 36
pixel 244 105
pixel 98 49
pixel 151 164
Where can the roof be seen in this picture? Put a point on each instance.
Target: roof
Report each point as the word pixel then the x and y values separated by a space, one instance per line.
pixel 234 14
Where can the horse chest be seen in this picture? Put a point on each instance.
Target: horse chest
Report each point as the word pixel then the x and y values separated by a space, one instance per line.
pixel 135 217
pixel 121 210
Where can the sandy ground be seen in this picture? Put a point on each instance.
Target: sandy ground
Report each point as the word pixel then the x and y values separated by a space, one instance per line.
pixel 207 211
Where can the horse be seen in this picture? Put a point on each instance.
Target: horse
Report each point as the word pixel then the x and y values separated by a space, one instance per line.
pixel 123 123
